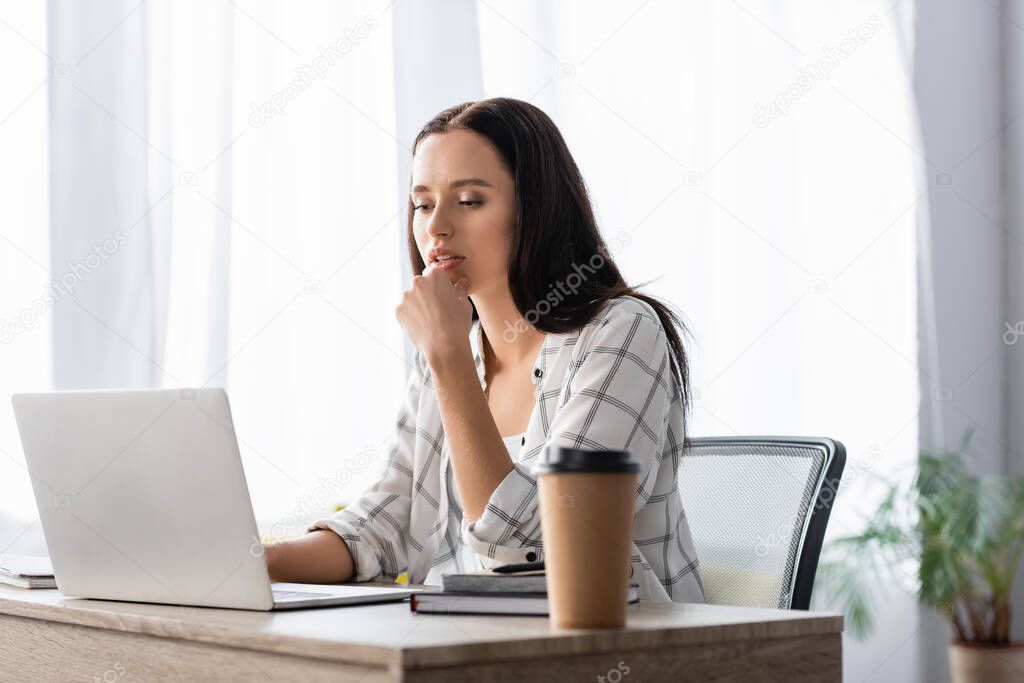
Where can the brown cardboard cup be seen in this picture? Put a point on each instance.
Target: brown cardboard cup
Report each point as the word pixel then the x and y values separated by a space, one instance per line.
pixel 586 507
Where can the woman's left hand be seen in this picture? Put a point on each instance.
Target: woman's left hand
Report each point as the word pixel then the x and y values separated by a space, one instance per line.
pixel 437 314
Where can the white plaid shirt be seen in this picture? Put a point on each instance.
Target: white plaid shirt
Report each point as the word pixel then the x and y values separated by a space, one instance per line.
pixel 606 386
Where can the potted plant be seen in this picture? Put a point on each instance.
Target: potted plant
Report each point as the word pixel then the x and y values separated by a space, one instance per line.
pixel 961 536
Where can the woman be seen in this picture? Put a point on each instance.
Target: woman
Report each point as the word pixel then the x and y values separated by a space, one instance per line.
pixel 526 336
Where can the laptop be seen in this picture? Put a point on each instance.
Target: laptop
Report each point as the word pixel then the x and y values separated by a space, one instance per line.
pixel 142 497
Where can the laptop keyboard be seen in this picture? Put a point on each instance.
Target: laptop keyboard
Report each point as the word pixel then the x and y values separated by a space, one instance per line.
pixel 291 596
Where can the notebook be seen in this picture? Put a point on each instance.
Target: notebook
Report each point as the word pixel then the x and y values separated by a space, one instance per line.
pixel 533 604
pixel 488 581
pixel 26 571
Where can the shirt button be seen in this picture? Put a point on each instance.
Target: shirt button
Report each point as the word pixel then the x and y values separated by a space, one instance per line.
pixel 531 556
pixel 523 442
pixel 537 372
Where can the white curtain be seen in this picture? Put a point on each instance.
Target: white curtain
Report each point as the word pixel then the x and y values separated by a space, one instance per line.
pixel 239 162
pixel 755 160
pixel 26 295
pixel 314 353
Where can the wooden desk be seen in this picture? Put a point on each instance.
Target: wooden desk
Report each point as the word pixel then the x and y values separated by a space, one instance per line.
pixel 44 636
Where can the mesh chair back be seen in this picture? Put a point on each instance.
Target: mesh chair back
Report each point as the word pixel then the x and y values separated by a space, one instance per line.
pixel 757 508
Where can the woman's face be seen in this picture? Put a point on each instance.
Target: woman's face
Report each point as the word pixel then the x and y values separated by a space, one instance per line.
pixel 464 202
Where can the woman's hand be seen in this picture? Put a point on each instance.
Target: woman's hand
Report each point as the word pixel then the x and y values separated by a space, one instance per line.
pixel 437 314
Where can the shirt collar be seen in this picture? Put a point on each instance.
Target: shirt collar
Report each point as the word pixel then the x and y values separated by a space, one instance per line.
pixel 476 344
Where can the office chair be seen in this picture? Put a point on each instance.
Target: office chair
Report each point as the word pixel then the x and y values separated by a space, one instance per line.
pixel 757 507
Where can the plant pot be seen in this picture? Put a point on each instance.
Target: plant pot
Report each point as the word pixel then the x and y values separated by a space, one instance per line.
pixel 976 663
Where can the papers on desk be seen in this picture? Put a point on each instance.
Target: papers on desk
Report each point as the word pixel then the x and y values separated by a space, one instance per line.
pixel 26 571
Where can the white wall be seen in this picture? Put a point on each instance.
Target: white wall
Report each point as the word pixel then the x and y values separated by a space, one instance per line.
pixel 1012 60
pixel 961 49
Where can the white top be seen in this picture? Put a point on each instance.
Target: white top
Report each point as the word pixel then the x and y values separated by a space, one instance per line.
pixel 607 385
pixel 466 558
pixel 512 443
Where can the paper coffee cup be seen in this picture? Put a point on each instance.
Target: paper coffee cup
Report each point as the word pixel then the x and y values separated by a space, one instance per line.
pixel 586 507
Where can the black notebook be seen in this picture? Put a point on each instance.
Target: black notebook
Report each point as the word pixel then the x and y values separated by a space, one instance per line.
pixel 535 604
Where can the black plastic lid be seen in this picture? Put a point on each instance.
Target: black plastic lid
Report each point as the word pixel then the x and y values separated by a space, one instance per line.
pixel 559 459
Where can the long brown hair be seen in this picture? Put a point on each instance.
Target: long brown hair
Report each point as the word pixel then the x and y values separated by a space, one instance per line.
pixel 554 224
